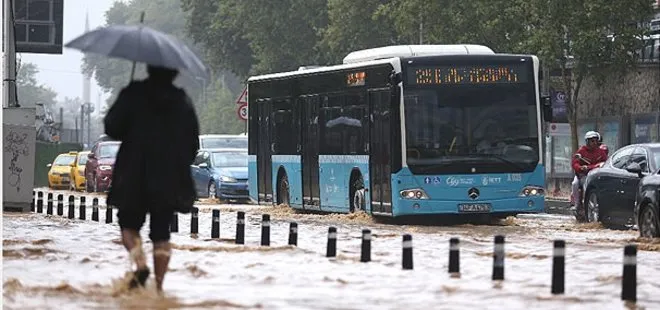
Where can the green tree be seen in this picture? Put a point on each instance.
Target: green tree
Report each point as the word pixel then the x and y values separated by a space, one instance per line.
pixel 258 36
pixel 585 39
pixel 219 115
pixel 355 25
pixel 29 91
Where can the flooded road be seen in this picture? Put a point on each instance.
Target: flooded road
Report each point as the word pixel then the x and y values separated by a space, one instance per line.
pixel 50 262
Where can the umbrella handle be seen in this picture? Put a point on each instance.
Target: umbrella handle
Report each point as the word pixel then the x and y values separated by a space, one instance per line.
pixel 133 66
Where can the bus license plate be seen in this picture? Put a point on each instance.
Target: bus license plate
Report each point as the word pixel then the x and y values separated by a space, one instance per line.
pixel 474 207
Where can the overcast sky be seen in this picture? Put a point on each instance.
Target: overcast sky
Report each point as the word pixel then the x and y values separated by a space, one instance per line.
pixel 62 72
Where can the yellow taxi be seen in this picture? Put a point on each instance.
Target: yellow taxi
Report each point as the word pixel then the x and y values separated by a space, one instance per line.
pixel 78 172
pixel 59 175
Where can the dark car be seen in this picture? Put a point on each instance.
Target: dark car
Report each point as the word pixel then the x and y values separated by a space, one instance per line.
pixel 647 201
pixel 613 192
pixel 99 166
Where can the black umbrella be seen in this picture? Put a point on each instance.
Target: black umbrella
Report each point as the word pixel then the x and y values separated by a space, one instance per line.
pixel 141 44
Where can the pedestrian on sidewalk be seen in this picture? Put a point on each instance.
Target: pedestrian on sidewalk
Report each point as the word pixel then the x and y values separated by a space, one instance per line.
pixel 158 129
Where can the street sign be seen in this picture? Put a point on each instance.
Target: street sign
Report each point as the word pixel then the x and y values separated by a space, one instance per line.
pixel 242 99
pixel 243 112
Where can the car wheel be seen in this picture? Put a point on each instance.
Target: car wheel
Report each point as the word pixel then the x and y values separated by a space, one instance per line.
pixel 212 190
pixel 648 222
pixel 592 208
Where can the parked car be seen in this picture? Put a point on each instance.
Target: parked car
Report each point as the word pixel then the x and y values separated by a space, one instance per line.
pixel 98 169
pixel 78 172
pixel 214 141
pixel 59 174
pixel 614 192
pixel 647 201
pixel 221 173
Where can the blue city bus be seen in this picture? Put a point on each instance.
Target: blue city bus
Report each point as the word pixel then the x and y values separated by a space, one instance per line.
pixel 401 130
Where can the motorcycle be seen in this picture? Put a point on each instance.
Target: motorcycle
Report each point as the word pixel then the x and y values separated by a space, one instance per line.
pixel 579 210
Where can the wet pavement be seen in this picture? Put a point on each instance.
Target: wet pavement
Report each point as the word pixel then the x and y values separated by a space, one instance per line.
pixel 50 262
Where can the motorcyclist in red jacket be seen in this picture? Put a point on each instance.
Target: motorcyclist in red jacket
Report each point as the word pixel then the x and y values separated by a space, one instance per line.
pixel 589 156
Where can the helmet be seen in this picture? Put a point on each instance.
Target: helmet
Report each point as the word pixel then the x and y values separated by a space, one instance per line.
pixel 591 134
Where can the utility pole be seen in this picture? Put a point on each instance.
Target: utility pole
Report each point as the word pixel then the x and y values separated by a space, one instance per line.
pixel 82 124
pixel 9 57
pixel 88 108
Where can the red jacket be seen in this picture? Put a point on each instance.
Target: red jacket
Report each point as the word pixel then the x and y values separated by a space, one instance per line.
pixel 603 147
pixel 594 157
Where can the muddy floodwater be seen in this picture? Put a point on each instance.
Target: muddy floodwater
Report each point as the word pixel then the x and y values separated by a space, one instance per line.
pixel 51 262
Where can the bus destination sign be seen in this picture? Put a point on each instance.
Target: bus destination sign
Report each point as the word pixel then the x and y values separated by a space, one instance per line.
pixel 488 74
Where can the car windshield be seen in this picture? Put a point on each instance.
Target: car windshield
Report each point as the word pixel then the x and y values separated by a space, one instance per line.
pixel 64 160
pixel 108 150
pixel 224 159
pixel 82 159
pixel 224 142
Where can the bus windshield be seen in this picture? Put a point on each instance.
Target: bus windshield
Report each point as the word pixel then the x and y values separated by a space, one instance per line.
pixel 471 128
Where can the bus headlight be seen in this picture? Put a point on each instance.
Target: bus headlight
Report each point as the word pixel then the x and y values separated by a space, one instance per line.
pixel 531 190
pixel 415 193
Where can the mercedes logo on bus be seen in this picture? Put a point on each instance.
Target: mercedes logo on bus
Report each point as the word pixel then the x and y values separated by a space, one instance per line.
pixel 473 193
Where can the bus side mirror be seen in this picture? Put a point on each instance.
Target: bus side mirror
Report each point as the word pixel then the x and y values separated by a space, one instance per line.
pixel 546 106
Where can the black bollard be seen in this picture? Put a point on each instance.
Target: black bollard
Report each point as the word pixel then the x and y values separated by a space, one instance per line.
pixel 265 230
pixel 332 242
pixel 558 266
pixel 72 207
pixel 454 256
pixel 32 205
pixel 49 207
pixel 365 253
pixel 60 205
pixel 40 202
pixel 95 210
pixel 83 209
pixel 498 258
pixel 240 227
pixel 215 224
pixel 407 257
pixel 194 220
pixel 629 280
pixel 174 224
pixel 293 233
pixel 108 214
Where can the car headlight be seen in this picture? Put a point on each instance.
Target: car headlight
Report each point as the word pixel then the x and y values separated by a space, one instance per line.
pixel 227 179
pixel 105 167
pixel 531 190
pixel 415 193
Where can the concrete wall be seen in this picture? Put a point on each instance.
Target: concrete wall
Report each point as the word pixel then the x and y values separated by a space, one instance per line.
pixel 636 92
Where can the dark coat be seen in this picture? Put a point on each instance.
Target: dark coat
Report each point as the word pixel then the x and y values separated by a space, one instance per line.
pixel 159 131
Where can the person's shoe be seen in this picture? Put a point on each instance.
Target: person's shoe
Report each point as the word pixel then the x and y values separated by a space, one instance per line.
pixel 139 278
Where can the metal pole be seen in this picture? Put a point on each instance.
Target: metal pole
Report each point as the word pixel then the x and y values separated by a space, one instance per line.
pixel 89 124
pixel 9 59
pixel 82 124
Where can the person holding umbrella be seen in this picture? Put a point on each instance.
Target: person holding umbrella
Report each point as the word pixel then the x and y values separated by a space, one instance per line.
pixel 158 127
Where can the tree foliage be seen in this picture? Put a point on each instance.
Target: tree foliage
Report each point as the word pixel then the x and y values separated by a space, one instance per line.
pixel 29 91
pixel 259 36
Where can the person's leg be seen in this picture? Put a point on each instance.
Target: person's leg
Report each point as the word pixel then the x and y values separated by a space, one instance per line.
pixel 160 236
pixel 575 186
pixel 130 222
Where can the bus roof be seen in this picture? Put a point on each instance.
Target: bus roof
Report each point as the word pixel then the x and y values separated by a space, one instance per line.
pixel 322 69
pixel 415 50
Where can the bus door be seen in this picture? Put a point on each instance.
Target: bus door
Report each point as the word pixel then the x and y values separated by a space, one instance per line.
pixel 264 152
pixel 310 151
pixel 380 150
